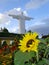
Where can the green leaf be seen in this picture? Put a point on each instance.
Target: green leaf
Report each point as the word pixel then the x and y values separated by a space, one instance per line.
pixel 21 57
pixel 47 39
pixel 42 46
pixel 43 61
pixel 33 64
pixel 43 41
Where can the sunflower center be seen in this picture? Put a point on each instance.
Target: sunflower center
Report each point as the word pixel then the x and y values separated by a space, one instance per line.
pixel 30 42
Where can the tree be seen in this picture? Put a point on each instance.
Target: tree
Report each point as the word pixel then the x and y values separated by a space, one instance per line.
pixel 5 30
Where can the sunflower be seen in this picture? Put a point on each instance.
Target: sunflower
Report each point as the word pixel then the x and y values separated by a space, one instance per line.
pixel 29 42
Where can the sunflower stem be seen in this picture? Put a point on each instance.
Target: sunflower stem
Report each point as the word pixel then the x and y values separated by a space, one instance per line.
pixel 37 56
pixel 45 52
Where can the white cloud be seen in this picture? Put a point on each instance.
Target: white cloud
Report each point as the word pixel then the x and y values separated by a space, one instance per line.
pixel 25 13
pixel 7 23
pixel 14 29
pixel 4 18
pixel 33 4
pixel 16 11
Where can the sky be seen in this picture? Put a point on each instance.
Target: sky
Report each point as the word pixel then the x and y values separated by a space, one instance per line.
pixel 37 9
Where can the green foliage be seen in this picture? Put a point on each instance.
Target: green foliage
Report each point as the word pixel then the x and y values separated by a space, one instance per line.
pixel 30 58
pixel 42 46
pixel 22 58
pixel 47 40
pixel 43 62
pixel 33 64
pixel 5 30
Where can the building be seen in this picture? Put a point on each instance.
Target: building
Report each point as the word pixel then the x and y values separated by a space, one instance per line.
pixel 8 37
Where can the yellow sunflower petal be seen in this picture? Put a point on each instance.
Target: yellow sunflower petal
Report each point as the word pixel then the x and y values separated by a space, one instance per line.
pixel 35 35
pixel 29 42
